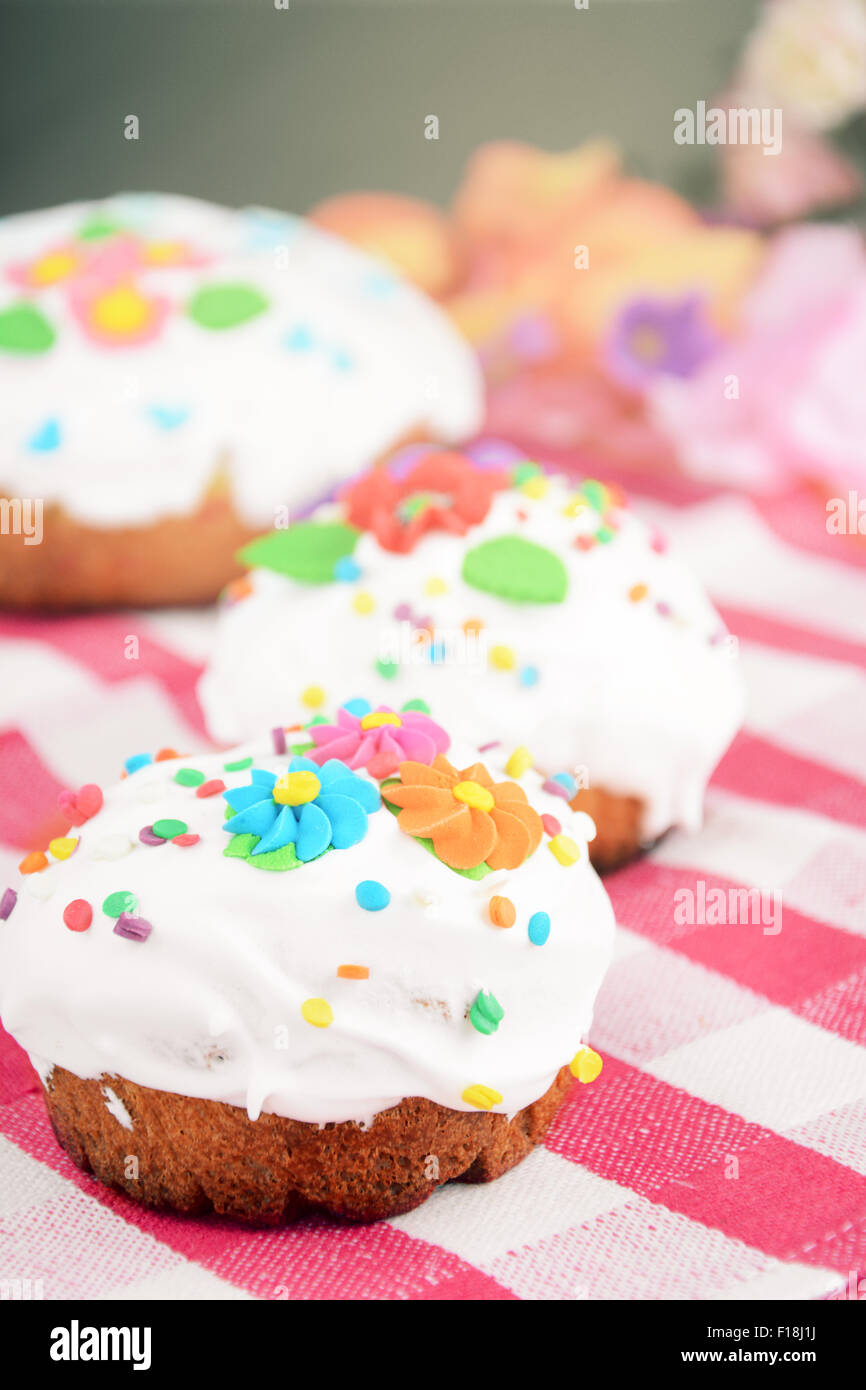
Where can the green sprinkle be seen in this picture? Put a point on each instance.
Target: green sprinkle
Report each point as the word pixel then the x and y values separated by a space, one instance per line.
pixel 523 472
pixel 387 669
pixel 240 766
pixel 120 902
pixel 420 705
pixel 486 1013
pixel 189 777
pixel 167 829
pixel 603 535
pixel 594 492
pixel 318 719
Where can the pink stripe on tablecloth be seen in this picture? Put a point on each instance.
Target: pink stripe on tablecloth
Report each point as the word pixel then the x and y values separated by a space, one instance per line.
pixel 753 626
pixel 100 642
pixel 756 767
pixel 676 1149
pixel 30 794
pixel 17 1077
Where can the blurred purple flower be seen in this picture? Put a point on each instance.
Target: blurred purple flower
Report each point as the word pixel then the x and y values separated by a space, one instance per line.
pixel 658 337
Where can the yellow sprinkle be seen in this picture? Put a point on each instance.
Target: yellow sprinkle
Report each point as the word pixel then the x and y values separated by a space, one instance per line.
pixel 535 487
pixel 564 849
pixel 318 1012
pixel 638 592
pixel 313 697
pixel 575 505
pixel 435 586
pixel 585 1064
pixel 474 795
pixel 519 762
pixel 363 602
pixel 482 1097
pixel 296 788
pixel 379 718
pixel 503 658
pixel 62 847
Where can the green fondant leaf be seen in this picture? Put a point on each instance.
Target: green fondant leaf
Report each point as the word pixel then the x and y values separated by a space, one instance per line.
pixel 308 551
pixel 479 871
pixel 24 329
pixel 225 306
pixel 517 570
pixel 277 860
pixel 241 846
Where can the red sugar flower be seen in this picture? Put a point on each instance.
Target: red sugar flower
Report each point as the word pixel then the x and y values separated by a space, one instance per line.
pixel 443 492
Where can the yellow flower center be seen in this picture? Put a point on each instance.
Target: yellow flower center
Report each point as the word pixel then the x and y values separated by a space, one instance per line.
pixel 294 788
pixel 121 311
pixel 54 266
pixel 474 795
pixel 647 344
pixel 379 719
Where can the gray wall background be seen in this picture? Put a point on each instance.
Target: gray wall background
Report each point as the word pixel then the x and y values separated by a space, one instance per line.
pixel 241 102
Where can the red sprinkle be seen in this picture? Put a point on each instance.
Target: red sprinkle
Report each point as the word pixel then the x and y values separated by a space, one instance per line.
pixel 185 840
pixel 551 825
pixel 211 788
pixel 81 805
pixel 585 542
pixel 78 914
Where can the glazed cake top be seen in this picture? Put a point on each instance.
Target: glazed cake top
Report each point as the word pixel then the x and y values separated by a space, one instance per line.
pixel 154 346
pixel 318 925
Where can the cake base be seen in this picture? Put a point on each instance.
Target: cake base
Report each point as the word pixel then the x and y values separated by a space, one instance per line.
pixel 617 825
pixel 198 1156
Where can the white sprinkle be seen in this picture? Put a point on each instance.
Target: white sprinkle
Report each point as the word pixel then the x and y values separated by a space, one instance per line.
pixel 41 885
pixel 111 847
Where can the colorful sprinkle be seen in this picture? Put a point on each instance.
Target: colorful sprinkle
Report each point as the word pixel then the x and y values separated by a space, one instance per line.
pixel 372 895
pixel 485 747
pixel 566 780
pixel 82 805
pixel 313 697
pixel 41 886
pixel 586 1064
pixel 189 777
pixel 78 914
pixel 523 472
pixel 554 787
pixel 363 603
pixel 347 569
pixel 403 613
pixel 110 847
pixel 166 755
pixel 539 928
pixel 502 912
pixel 637 592
pixel 663 609
pixel 33 863
pixel 318 1012
pixel 353 972
pixel 132 928
pixel 535 488
pixel 595 492
pixel 528 675
pixel 137 760
pixel 472 626
pixel 564 849
pixel 435 586
pixel 551 824
pixel 584 542
pixel 169 829
pixel 147 836
pixel 486 1013
pixel 604 534
pixel 502 658
pixel 387 669
pixel 419 706
pixel 278 738
pixel 481 1097
pixel 7 903
pixel 116 904
pixel 240 766
pixel 519 762
pixel 214 787
pixel 186 840
pixel 63 846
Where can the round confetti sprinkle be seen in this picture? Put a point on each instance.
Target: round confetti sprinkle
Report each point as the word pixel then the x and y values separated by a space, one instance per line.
pixel 211 788
pixel 523 472
pixel 363 603
pixel 353 972
pixel 278 738
pixel 188 777
pixel 481 1097
pixel 663 609
pixel 347 569
pixel 168 829
pixel 519 762
pixel 136 761
pixel 33 863
pixel 473 626
pixel 403 613
pixel 318 1012
pixel 41 886
pixel 528 676
pixel 435 586
pixel 166 755
pixel 387 669
pixel 132 928
pixel 637 592
pixel 502 658
pixel 240 766
pixel 486 1013
pixel 551 824
pixel 564 849
pixel 110 847
pixel 148 836
pixel 7 903
pixel 118 903
pixel 586 1064
pixel 313 697
pixel 585 542
pixel 536 488
pixel 502 912
pixel 539 928
pixel 604 534
pixel 596 493
pixel 185 841
pixel 78 914
pixel 372 895
pixel 63 847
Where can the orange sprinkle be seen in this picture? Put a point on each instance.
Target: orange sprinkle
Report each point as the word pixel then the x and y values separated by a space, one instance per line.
pixel 502 912
pixel 237 589
pixel 165 754
pixel 33 862
pixel 353 972
pixel 473 625
pixel 637 592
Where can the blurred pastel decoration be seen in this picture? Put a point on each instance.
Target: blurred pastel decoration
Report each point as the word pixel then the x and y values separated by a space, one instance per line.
pixel 809 57
pixel 784 398
pixel 658 337
pixel 412 236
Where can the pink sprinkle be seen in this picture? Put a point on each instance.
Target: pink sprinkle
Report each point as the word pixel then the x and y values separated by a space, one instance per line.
pixel 403 613
pixel 147 836
pixel 663 609
pixel 211 788
pixel 185 840
pixel 494 743
pixel 658 543
pixel 7 902
pixel 279 737
pixel 555 789
pixel 133 928
pixel 551 824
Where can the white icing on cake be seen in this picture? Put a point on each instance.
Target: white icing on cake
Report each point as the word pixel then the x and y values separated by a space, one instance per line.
pixel 133 408
pixel 209 1005
pixel 638 700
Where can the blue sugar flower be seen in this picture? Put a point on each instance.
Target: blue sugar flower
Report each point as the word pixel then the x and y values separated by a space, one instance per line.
pixel 309 807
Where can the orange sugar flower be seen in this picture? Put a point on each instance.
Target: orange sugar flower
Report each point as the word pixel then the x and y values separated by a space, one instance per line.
pixel 470 818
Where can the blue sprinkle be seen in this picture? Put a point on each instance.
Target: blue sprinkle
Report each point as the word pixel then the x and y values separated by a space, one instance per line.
pixel 342 360
pixel 168 417
pixel 437 652
pixel 138 760
pixel 300 339
pixel 380 284
pixel 347 569
pixel 358 707
pixel 539 928
pixel 46 438
pixel 528 676
pixel 372 896
pixel 566 780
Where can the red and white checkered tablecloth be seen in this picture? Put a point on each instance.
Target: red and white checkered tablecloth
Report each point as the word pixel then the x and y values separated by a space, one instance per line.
pixel 722 1152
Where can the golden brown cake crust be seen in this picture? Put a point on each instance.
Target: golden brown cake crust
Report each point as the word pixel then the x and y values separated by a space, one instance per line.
pixel 617 823
pixel 197 1156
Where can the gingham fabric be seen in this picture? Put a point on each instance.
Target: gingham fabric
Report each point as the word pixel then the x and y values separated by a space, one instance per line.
pixel 722 1152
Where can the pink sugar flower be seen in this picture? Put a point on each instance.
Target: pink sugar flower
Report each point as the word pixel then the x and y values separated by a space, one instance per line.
pixel 379 740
